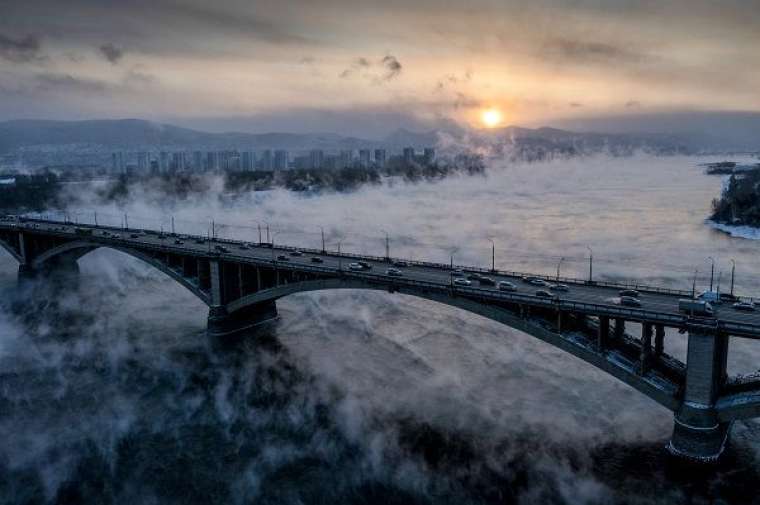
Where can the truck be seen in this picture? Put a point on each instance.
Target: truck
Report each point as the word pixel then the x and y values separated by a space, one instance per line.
pixel 699 308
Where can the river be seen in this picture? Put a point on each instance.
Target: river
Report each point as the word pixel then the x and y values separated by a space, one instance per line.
pixel 110 391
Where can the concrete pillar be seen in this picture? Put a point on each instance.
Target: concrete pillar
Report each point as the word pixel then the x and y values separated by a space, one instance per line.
pixel 619 328
pixel 603 334
pixel 240 280
pixel 216 284
pixel 22 248
pixel 258 279
pixel 646 347
pixel 697 433
pixel 659 340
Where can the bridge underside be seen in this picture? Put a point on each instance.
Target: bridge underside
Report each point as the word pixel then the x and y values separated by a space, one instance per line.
pixel 241 294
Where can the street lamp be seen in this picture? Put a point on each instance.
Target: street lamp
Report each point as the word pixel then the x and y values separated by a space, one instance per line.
pixel 559 264
pixel 590 264
pixel 321 228
pixel 340 258
pixel 733 269
pixel 712 271
pixel 493 255
pixel 387 246
pixel 694 284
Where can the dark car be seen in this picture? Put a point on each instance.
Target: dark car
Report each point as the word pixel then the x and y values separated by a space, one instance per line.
pixel 200 241
pixel 630 301
pixel 316 259
pixel 365 265
pixel 178 242
pixel 221 248
pixel 542 293
pixel 282 257
pixel 487 281
pixel 559 287
pixel 473 277
pixel 629 292
pixel 400 264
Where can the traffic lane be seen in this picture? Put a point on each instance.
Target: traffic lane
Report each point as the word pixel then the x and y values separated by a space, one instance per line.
pixel 592 294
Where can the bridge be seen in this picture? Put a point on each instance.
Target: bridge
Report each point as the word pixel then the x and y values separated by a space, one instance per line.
pixel 241 281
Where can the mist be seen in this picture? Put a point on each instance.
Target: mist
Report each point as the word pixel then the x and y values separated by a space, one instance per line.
pixel 111 390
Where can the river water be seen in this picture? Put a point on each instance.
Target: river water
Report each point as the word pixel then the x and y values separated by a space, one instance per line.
pixel 110 391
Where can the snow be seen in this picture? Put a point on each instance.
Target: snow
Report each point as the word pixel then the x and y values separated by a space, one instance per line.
pixel 741 231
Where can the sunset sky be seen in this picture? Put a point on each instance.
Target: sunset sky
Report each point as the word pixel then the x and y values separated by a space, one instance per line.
pixel 422 62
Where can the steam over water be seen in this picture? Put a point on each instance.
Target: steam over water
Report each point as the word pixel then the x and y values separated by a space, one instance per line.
pixel 110 391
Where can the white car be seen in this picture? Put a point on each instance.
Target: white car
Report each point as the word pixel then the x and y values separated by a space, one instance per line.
pixel 394 272
pixel 462 282
pixel 355 266
pixel 506 286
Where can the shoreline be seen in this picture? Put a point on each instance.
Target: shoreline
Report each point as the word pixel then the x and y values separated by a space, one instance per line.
pixel 739 231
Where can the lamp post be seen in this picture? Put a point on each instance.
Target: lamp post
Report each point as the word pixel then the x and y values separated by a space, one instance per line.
pixel 172 225
pixel 733 269
pixel 321 228
pixel 493 255
pixel 590 264
pixel 387 246
pixel 694 283
pixel 96 218
pixel 340 258
pixel 712 271
pixel 559 264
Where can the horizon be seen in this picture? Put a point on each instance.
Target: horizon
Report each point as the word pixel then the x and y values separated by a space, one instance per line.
pixel 291 66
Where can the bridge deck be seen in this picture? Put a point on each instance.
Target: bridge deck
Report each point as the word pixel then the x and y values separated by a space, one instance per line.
pixel 659 305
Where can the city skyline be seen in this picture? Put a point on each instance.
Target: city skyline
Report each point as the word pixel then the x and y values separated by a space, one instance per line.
pixel 370 67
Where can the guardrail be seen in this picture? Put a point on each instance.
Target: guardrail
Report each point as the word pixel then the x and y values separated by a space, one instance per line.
pixel 629 313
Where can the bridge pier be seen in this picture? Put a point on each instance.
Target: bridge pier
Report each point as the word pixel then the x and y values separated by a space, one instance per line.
pixel 221 323
pixel 697 433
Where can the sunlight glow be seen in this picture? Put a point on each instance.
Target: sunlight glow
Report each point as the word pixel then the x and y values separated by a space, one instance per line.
pixel 491 118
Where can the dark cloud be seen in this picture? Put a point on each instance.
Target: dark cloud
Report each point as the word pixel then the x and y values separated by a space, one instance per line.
pixel 577 51
pixel 392 67
pixel 632 103
pixel 22 50
pixel 381 71
pixel 112 53
pixel 575 105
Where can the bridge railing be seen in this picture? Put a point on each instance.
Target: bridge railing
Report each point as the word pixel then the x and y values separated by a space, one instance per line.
pixel 425 264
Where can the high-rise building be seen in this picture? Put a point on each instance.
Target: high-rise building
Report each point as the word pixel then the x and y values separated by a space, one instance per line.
pixel 380 158
pixel 346 158
pixel 267 163
pixel 249 161
pixel 197 161
pixel 212 162
pixel 317 158
pixel 114 163
pixel 408 155
pixel 364 158
pixel 143 162
pixel 164 162
pixel 280 159
pixel 429 155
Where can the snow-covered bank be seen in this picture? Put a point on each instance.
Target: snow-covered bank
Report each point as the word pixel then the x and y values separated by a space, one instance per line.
pixel 741 231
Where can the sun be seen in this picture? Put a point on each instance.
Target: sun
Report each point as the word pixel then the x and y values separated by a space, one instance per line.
pixel 491 117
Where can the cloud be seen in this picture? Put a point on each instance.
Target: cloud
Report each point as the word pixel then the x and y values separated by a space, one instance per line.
pixel 21 50
pixel 392 67
pixel 575 105
pixel 377 72
pixel 578 51
pixel 69 83
pixel 632 103
pixel 112 53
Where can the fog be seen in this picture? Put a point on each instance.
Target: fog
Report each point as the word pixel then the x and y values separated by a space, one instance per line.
pixel 111 391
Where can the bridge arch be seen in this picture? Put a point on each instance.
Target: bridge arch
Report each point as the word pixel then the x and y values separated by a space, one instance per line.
pixel 11 251
pixel 501 315
pixel 76 249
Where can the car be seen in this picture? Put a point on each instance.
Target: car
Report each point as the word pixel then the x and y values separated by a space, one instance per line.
pixel 296 253
pixel 744 306
pixel 178 242
pixel 134 235
pixel 355 266
pixel 542 293
pixel 462 282
pixel 629 292
pixel 317 259
pixel 630 301
pixel 400 263
pixel 506 286
pixel 115 235
pixel 282 257
pixel 712 297
pixel 537 282
pixel 473 277
pixel 394 272
pixel 221 248
pixel 559 287
pixel 695 307
pixel 243 247
pixel 365 265
pixel 457 273
pixel 200 241
pixel 486 281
